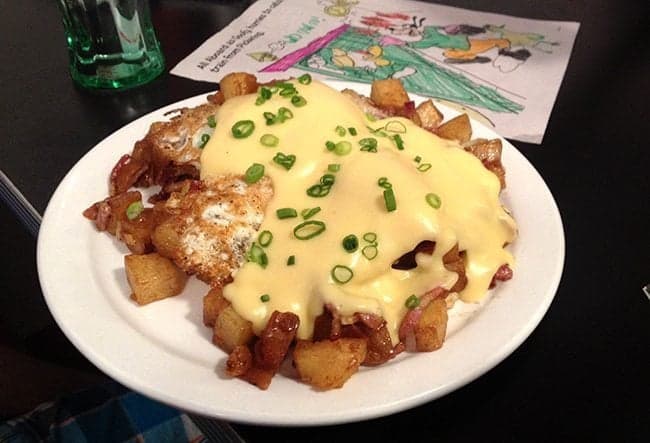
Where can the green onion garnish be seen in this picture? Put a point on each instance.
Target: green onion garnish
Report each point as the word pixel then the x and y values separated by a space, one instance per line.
pixel 343 148
pixel 288 92
pixel 341 274
pixel 243 128
pixel 304 79
pixel 298 101
pixel 412 302
pixel 327 180
pixel 340 130
pixel 384 183
pixel 308 229
pixel 269 117
pixel 291 260
pixel 134 210
pixel 284 160
pixel 284 114
pixel 257 255
pixel 433 200
pixel 334 167
pixel 395 126
pixel 265 238
pixel 371 117
pixel 352 131
pixel 330 145
pixel 212 122
pixel 283 213
pixel 370 237
pixel 309 212
pixel 269 140
pixel 205 138
pixel 389 199
pixel 265 93
pixel 424 167
pixel 318 190
pixel 368 144
pixel 350 243
pixel 254 173
pixel 417 159
pixel 264 298
pixel 370 252
pixel 398 141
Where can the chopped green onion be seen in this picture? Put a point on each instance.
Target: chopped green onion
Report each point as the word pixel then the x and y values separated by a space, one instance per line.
pixel 291 260
pixel 395 126
pixel 370 252
pixel 309 212
pixel 298 101
pixel 254 173
pixel 269 117
pixel 205 138
pixel 284 114
pixel 257 255
pixel 284 160
pixel 334 167
pixel 269 140
pixel 384 183
pixel 352 131
pixel 318 190
pixel 243 128
pixel 371 117
pixel 283 213
pixel 412 302
pixel 368 144
pixel 398 141
pixel 350 243
pixel 327 180
pixel 212 122
pixel 341 274
pixel 389 199
pixel 308 229
pixel 304 79
pixel 330 145
pixel 433 200
pixel 370 237
pixel 284 85
pixel 423 167
pixel 343 148
pixel 264 298
pixel 134 210
pixel 340 130
pixel 417 159
pixel 288 92
pixel 265 93
pixel 265 238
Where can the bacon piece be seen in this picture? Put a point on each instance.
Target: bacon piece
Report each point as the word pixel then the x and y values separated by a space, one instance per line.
pixel 504 273
pixel 412 317
pixel 239 361
pixel 125 174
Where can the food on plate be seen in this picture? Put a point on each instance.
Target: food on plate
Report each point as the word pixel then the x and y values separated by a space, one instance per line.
pixel 333 229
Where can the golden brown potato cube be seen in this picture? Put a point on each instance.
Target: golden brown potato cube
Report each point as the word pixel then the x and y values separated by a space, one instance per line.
pixel 213 303
pixel 432 326
pixel 458 128
pixel 388 93
pixel 328 364
pixel 237 83
pixel 136 233
pixel 430 116
pixel 153 277
pixel 166 240
pixel 231 330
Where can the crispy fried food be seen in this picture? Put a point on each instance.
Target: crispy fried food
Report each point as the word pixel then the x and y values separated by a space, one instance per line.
pixel 328 364
pixel 430 116
pixel 213 304
pixel 231 329
pixel 208 230
pixel 431 328
pixel 238 83
pixel 153 277
pixel 458 128
pixel 389 93
pixel 489 152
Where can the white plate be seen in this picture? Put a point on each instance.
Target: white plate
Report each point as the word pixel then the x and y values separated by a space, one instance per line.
pixel 163 350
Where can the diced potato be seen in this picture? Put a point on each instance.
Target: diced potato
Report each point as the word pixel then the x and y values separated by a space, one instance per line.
pixel 239 361
pixel 458 128
pixel 237 83
pixel 489 152
pixel 153 277
pixel 388 93
pixel 430 116
pixel 329 364
pixel 213 304
pixel 432 327
pixel 136 233
pixel 231 330
pixel 166 240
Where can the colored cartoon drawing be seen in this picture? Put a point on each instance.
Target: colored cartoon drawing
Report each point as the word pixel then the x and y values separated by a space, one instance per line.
pixel 355 54
pixel 522 39
pixel 339 8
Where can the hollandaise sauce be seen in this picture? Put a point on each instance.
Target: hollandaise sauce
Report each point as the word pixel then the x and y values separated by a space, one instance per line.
pixel 352 195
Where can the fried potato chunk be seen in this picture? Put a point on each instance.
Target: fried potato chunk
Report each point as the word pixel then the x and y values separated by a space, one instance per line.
pixel 213 304
pixel 430 116
pixel 231 330
pixel 153 277
pixel 238 83
pixel 389 93
pixel 431 329
pixel 328 364
pixel 458 128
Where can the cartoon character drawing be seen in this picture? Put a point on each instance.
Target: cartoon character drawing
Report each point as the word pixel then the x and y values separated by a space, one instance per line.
pixel 522 39
pixel 339 8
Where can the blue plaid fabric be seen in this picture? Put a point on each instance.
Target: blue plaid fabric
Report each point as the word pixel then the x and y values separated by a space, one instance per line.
pixel 107 413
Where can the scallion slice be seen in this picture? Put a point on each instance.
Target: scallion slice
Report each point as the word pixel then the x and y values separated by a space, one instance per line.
pixel 395 126
pixel 212 121
pixel 352 131
pixel 308 229
pixel 384 183
pixel 433 200
pixel 298 101
pixel 283 213
pixel 350 243
pixel 134 210
pixel 304 79
pixel 370 252
pixel 334 167
pixel 288 92
pixel 205 138
pixel 341 274
pixel 291 260
pixel 265 238
pixel 269 140
pixel 257 255
pixel 370 237
pixel 330 145
pixel 269 117
pixel 398 141
pixel 389 199
pixel 417 159
pixel 265 298
pixel 243 128
pixel 412 302
pixel 340 130
pixel 284 114
pixel 309 212
pixel 343 148
pixel 284 160
pixel 254 173
pixel 423 167
pixel 368 144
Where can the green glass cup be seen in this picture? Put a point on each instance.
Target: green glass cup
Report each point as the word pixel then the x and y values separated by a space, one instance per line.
pixel 111 43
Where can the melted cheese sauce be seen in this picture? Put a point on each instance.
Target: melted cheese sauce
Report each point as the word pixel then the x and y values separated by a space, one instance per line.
pixel 470 214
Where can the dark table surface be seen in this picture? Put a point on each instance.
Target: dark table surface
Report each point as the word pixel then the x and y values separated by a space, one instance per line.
pixel 583 374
